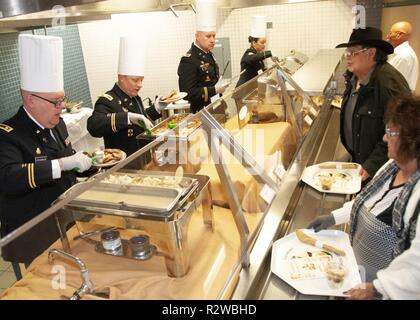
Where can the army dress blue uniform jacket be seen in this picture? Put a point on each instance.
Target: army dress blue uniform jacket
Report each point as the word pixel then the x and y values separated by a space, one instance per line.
pixel 110 121
pixel 198 74
pixel 27 187
pixel 252 62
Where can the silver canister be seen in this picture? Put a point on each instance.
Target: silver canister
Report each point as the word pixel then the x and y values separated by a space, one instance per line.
pixel 111 240
pixel 140 245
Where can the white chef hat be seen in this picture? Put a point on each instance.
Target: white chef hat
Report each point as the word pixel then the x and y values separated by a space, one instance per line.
pixel 258 27
pixel 131 59
pixel 206 15
pixel 41 63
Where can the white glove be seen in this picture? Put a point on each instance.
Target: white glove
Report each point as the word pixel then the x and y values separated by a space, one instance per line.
pixel 159 104
pixel 275 59
pixel 221 85
pixel 134 118
pixel 79 161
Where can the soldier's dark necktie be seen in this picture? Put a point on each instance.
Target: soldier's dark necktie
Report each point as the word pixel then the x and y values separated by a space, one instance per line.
pixel 58 139
pixel 140 105
pixel 52 141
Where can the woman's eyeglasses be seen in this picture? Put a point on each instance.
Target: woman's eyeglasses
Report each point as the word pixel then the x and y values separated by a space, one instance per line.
pixel 390 133
pixel 56 103
pixel 352 54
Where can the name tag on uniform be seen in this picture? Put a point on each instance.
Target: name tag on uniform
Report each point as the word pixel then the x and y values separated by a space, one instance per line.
pixel 39 159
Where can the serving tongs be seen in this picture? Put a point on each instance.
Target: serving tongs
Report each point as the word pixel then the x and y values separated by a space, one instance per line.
pixel 319 244
pixel 145 128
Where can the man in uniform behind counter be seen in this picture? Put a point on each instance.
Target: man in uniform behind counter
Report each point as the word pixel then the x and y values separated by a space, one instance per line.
pixel 37 161
pixel 117 113
pixel 198 71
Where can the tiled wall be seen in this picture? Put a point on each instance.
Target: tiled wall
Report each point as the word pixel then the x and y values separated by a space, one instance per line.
pixel 75 79
pixel 166 39
pixel 305 27
pixel 9 76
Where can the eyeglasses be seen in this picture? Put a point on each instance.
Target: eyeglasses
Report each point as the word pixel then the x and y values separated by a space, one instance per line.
pixel 56 103
pixel 396 33
pixel 390 133
pixel 352 54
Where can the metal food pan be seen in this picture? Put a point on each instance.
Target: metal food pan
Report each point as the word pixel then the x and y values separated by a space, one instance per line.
pixel 184 186
pixel 164 125
pixel 131 197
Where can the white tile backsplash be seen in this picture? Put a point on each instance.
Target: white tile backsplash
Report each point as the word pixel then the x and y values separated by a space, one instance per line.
pixel 305 27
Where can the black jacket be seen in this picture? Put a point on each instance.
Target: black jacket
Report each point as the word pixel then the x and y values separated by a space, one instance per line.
pixel 198 73
pixel 252 62
pixel 368 126
pixel 26 184
pixel 110 120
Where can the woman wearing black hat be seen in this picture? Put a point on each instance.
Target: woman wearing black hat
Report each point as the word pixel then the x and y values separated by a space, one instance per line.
pixel 252 60
pixel 370 83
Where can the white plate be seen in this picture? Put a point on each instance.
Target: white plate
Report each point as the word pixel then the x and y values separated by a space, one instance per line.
pixel 243 112
pixel 179 96
pixel 316 283
pixel 347 181
pixel 112 163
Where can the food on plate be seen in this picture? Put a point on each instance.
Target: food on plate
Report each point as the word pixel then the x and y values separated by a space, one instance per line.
pixel 111 155
pixel 307 268
pixel 326 182
pixel 171 97
pixel 339 166
pixel 327 178
pixel 72 107
pixel 335 272
pixel 68 104
pixel 312 254
pixel 302 236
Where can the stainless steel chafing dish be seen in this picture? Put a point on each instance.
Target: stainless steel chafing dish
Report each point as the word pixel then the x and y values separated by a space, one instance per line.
pixel 184 125
pixel 176 142
pixel 160 212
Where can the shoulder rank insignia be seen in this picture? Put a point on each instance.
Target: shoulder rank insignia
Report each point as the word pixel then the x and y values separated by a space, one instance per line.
pixel 5 127
pixel 187 55
pixel 250 53
pixel 109 97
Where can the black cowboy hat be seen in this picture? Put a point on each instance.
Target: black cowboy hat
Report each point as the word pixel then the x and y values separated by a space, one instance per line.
pixel 370 37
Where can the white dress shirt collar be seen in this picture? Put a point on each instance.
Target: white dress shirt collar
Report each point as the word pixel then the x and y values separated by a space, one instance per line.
pixel 33 119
